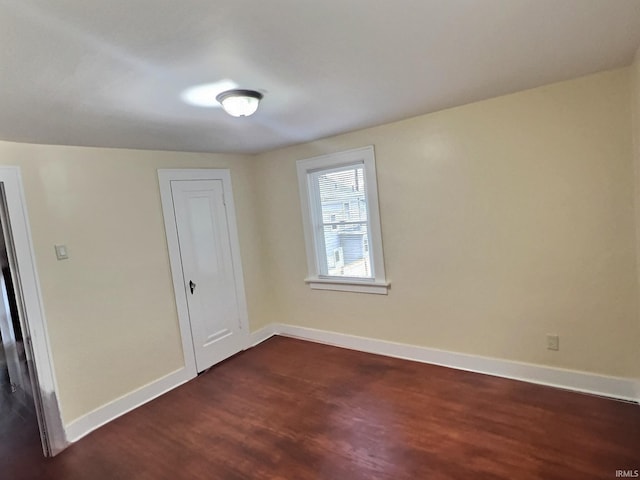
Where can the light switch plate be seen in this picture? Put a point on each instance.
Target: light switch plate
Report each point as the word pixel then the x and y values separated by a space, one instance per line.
pixel 553 342
pixel 61 252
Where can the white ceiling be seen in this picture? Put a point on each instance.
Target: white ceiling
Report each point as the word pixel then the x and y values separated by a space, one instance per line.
pixel 111 73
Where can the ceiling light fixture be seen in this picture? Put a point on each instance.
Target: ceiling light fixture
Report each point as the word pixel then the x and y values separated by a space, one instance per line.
pixel 239 103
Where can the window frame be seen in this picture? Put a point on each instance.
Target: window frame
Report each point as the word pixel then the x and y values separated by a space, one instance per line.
pixel 364 156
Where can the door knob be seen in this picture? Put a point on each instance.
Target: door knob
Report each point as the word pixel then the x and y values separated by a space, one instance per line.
pixel 192 286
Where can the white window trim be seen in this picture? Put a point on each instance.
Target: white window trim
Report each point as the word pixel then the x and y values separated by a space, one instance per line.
pixel 376 285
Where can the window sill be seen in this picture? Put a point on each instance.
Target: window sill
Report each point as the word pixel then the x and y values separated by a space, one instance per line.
pixel 348 285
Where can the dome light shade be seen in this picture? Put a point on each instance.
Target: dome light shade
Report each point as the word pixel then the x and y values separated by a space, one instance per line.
pixel 239 103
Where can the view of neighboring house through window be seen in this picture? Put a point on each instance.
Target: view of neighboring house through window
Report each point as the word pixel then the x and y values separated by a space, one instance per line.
pixel 341 221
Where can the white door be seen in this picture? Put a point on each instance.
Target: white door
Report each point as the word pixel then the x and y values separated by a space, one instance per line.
pixel 207 269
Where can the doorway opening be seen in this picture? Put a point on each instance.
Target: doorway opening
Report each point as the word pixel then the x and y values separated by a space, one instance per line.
pixel 30 421
pixel 19 430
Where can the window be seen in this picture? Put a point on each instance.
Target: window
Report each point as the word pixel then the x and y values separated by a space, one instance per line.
pixel 341 222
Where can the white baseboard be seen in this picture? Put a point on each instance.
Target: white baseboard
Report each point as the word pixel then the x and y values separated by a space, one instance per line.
pixel 260 335
pixel 112 410
pixel 95 419
pixel 614 387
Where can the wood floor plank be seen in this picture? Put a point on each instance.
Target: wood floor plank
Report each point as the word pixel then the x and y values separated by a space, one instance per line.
pixel 290 409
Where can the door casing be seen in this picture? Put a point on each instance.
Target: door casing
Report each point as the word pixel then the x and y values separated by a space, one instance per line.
pixel 32 318
pixel 165 177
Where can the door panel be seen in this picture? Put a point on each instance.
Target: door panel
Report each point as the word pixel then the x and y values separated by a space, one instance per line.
pixel 210 287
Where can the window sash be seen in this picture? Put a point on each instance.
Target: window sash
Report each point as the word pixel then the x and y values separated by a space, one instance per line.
pixel 355 222
pixel 315 199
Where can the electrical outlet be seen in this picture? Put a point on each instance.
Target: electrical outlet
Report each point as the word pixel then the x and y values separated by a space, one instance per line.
pixel 553 342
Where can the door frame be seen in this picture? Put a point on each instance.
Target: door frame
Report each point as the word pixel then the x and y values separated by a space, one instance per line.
pixel 33 323
pixel 165 177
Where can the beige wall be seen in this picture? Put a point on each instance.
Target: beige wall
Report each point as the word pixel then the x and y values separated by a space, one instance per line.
pixel 110 308
pixel 635 102
pixel 502 221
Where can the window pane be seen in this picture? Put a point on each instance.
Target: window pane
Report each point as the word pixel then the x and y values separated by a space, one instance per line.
pixel 343 204
pixel 347 250
pixel 342 195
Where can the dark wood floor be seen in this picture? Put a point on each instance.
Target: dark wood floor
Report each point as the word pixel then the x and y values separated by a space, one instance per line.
pixel 289 409
pixel 18 421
